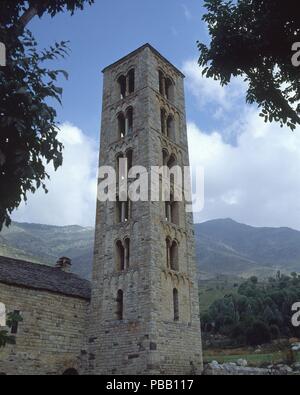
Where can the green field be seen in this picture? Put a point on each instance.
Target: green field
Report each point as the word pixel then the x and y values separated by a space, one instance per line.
pixel 252 359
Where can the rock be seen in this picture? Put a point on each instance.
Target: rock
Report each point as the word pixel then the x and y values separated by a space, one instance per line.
pixel 284 369
pixel 242 362
pixel 296 346
pixel 214 365
pixel 230 367
pixel 296 366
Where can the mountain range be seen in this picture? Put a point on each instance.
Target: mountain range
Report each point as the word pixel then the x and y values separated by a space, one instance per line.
pixel 223 246
pixel 227 247
pixel 45 244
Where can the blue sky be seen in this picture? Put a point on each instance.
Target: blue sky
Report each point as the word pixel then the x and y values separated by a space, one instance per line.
pixel 103 33
pixel 251 168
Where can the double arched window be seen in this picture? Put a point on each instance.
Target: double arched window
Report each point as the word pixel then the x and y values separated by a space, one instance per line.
pixel 169 90
pixel 122 211
pixel 172 175
pixel 123 166
pixel 126 84
pixel 125 123
pixel 166 86
pixel 172 211
pixel 168 127
pixel 123 163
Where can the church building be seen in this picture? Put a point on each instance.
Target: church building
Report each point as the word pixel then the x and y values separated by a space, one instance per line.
pixel 140 312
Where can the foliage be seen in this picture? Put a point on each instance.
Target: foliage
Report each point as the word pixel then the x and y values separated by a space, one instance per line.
pixel 13 318
pixel 259 312
pixel 12 11
pixel 5 338
pixel 253 39
pixel 28 127
pixel 28 130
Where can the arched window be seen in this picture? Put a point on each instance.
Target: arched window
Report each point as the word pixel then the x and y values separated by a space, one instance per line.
pixel 163 121
pixel 120 255
pixel 119 311
pixel 171 127
pixel 168 211
pixel 165 156
pixel 129 156
pixel 131 81
pixel 126 84
pixel 161 82
pixel 121 126
pixel 125 123
pixel 129 121
pixel 122 86
pixel 127 253
pixel 127 210
pixel 172 161
pixel 123 164
pixel 174 209
pixel 2 315
pixel 174 257
pixel 176 304
pixel 122 210
pixel 169 87
pixel 168 244
pixel 118 210
pixel 120 168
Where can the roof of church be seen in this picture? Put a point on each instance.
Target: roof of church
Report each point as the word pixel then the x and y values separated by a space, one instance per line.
pixel 42 277
pixel 139 50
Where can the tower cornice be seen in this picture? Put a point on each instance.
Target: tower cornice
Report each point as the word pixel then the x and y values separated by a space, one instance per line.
pixel 140 49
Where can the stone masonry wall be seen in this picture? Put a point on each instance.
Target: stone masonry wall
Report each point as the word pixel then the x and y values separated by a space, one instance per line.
pixel 51 338
pixel 147 340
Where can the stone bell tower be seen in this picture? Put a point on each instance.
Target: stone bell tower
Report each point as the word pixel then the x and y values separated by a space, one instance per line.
pixel 144 310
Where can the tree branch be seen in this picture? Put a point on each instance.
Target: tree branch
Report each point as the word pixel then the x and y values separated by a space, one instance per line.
pixel 26 18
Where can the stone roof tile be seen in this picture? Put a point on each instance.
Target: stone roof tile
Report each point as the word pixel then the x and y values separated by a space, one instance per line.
pixel 32 275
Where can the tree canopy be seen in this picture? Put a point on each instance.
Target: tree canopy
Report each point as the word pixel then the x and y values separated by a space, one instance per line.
pixel 259 312
pixel 18 13
pixel 254 39
pixel 28 130
pixel 28 125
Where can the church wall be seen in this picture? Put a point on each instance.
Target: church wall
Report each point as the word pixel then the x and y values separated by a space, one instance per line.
pixel 51 338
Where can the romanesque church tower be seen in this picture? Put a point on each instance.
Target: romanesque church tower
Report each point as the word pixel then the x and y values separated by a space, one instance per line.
pixel 144 310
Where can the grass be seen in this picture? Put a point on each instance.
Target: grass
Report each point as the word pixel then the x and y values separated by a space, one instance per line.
pixel 252 359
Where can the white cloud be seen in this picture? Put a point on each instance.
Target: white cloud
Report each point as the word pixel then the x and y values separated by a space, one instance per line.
pixel 256 181
pixel 251 168
pixel 72 188
pixel 187 12
pixel 207 91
